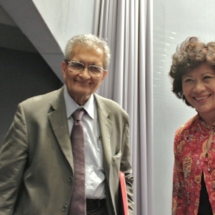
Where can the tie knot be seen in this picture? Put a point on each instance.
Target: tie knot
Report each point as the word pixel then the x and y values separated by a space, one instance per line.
pixel 78 114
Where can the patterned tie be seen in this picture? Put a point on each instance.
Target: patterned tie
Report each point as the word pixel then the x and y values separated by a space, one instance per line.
pixel 78 200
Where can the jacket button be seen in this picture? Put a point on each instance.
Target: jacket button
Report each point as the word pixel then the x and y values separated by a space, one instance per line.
pixel 64 208
pixel 70 179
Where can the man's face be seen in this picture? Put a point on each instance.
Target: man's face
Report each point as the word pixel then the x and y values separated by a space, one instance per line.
pixel 81 85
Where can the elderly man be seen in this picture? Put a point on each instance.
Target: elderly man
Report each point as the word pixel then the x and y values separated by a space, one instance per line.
pixel 53 162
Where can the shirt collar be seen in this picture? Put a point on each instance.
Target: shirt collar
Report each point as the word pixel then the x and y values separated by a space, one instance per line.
pixel 72 106
pixel 205 124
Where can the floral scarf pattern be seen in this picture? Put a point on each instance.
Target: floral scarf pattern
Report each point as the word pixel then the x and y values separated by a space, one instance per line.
pixel 191 160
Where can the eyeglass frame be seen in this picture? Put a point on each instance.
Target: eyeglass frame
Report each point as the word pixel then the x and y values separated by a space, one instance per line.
pixel 84 67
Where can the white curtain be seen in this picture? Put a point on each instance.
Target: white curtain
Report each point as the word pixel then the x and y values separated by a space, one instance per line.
pixel 126 25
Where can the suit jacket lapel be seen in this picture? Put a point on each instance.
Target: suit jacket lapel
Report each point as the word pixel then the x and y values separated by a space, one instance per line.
pixel 59 123
pixel 106 128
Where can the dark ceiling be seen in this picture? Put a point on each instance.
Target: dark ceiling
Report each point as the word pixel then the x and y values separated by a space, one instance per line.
pixel 11 36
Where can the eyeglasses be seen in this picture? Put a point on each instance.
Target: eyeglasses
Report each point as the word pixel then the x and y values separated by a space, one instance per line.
pixel 78 67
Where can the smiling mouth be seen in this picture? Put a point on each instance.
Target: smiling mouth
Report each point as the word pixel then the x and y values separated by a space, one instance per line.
pixel 83 82
pixel 201 98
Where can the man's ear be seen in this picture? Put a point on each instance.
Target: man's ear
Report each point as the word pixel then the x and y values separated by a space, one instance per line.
pixel 104 74
pixel 63 68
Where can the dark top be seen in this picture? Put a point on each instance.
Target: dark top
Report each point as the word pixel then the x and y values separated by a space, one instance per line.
pixel 204 204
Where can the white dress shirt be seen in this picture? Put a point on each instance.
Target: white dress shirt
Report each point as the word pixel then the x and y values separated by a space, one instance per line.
pixel 95 188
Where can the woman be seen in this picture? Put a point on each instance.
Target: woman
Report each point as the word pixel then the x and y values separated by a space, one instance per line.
pixel 193 75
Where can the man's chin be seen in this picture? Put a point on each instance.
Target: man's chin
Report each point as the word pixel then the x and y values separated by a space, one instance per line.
pixel 79 93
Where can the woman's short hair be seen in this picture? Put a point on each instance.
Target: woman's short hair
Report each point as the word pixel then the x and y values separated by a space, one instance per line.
pixel 90 41
pixel 189 55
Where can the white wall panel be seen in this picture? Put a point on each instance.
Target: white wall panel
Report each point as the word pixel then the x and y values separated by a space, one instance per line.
pixel 67 18
pixel 174 21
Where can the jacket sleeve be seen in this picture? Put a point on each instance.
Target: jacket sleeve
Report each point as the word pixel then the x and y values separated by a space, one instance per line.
pixel 126 168
pixel 13 156
pixel 179 192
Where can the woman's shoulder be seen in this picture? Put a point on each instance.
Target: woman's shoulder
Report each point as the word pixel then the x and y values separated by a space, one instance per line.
pixel 183 133
pixel 187 125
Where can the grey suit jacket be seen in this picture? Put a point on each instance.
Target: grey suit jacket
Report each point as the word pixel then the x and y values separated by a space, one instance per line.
pixel 36 161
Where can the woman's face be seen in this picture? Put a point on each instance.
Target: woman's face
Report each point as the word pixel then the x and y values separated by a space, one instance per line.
pixel 198 87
